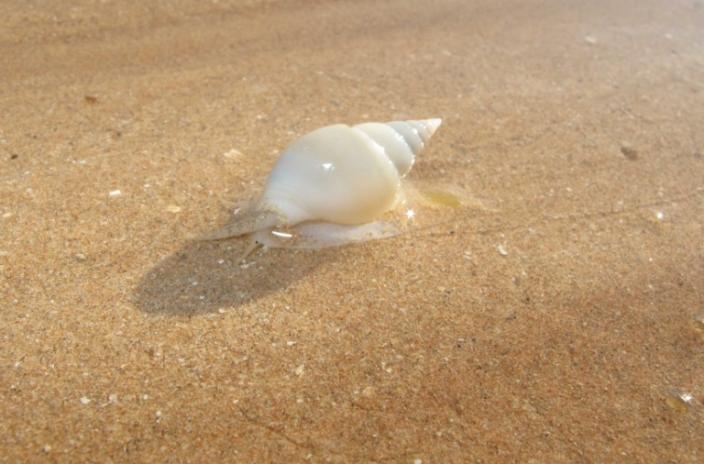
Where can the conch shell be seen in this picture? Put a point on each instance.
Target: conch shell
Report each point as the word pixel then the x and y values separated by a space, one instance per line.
pixel 331 185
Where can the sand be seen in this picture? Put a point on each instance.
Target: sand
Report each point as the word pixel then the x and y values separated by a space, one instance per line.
pixel 557 316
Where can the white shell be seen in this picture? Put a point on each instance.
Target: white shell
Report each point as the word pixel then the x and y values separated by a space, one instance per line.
pixel 339 174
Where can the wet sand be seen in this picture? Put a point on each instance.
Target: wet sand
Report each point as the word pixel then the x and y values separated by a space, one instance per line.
pixel 561 321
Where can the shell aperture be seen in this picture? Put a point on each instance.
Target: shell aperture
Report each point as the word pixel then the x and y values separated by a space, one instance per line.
pixel 332 184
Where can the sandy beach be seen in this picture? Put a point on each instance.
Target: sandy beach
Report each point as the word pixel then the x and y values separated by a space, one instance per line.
pixel 555 316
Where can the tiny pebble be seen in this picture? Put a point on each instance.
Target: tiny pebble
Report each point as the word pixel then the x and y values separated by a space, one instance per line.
pixel 660 215
pixel 221 261
pixel 679 401
pixel 502 250
pixel 290 343
pixel 300 369
pixel 417 461
pixel 233 153
pixel 158 414
pixel 629 152
pixel 80 257
pixel 46 448
pixel 591 40
pixel 112 398
pixel 173 209
pixel 7 215
pixel 114 193
pixel 85 400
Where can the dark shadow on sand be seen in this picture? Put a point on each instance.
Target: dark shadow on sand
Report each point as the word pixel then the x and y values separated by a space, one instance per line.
pixel 203 277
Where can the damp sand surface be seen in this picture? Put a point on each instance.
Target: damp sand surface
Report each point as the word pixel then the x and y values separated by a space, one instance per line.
pixel 555 316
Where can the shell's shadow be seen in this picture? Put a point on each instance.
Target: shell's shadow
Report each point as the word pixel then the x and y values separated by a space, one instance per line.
pixel 203 277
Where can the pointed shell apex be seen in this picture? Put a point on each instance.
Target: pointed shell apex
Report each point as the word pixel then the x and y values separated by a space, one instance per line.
pixel 425 127
pixel 433 125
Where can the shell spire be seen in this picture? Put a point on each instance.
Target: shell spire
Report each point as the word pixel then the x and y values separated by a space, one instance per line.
pixel 401 140
pixel 416 133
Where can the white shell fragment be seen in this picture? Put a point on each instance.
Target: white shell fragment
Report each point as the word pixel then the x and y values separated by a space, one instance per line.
pixel 330 186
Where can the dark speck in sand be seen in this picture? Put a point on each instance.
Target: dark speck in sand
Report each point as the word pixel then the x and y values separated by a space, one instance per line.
pixel 629 152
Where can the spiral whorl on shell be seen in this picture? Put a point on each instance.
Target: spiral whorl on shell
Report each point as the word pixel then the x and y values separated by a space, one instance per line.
pixel 339 174
pixel 401 140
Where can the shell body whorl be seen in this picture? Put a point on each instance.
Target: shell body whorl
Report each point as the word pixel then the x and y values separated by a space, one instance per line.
pixel 335 174
pixel 345 174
